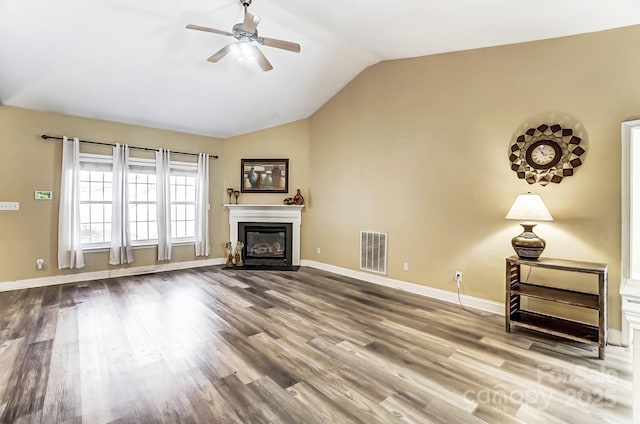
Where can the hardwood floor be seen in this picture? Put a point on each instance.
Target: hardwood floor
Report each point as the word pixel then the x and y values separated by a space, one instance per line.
pixel 221 346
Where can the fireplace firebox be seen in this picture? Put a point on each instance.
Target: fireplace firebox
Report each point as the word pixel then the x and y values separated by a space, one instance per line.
pixel 266 244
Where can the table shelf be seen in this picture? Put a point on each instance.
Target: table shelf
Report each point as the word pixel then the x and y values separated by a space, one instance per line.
pixel 560 327
pixel 516 316
pixel 569 297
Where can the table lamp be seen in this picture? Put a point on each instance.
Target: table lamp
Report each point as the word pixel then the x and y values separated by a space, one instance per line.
pixel 528 207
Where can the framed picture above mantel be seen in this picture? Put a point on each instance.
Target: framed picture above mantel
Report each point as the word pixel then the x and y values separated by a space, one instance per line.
pixel 264 175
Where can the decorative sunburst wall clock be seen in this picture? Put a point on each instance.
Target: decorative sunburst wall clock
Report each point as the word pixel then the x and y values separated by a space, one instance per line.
pixel 546 154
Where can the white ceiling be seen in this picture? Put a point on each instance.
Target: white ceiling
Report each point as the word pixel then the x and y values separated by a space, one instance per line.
pixel 133 61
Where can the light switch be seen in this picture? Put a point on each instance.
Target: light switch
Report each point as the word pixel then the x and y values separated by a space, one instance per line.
pixel 9 206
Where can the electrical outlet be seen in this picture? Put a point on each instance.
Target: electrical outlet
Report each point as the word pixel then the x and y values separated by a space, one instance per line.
pixel 405 266
pixel 458 276
pixel 318 250
pixel 40 264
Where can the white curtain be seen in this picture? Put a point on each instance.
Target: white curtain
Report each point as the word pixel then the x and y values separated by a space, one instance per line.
pixel 202 206
pixel 120 251
pixel 163 173
pixel 69 241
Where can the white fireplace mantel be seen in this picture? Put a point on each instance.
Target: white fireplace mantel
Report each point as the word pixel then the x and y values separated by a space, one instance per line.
pixel 288 214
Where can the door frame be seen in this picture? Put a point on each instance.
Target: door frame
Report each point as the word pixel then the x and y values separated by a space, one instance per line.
pixel 630 140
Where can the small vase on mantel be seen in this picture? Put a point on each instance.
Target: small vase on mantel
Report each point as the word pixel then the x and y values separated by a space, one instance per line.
pixel 298 199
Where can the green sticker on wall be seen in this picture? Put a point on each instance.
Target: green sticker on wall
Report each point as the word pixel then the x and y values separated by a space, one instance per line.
pixel 44 195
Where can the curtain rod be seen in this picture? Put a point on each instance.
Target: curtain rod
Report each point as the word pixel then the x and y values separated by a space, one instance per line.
pixel 149 149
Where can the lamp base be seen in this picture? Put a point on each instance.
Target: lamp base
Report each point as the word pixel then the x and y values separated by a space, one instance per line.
pixel 528 245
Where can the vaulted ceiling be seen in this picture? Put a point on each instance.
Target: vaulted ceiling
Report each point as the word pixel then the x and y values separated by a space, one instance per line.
pixel 133 61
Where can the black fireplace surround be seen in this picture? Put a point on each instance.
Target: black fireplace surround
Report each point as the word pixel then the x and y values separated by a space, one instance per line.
pixel 267 245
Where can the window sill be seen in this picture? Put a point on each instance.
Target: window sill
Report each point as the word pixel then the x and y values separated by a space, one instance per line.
pixel 97 249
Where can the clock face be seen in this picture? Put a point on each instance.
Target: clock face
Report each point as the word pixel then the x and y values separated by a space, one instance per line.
pixel 543 154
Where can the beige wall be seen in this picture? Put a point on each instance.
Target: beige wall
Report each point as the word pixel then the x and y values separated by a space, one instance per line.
pixel 28 163
pixel 285 141
pixel 418 148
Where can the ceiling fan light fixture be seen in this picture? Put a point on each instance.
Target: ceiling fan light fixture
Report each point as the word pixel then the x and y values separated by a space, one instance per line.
pixel 246 34
pixel 243 51
pixel 246 51
pixel 235 50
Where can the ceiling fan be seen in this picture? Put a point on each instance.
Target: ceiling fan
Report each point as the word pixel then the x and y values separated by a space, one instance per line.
pixel 247 35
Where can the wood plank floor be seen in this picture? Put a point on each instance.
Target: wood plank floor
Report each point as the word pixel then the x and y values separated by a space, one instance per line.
pixel 221 346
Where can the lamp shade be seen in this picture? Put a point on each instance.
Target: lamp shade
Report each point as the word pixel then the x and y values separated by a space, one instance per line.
pixel 529 207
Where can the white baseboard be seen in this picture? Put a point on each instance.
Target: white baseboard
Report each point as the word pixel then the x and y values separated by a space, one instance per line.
pixel 110 273
pixel 447 296
pixel 614 337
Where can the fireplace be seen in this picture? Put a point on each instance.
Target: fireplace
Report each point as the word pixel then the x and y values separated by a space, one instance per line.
pixel 266 243
pixel 270 217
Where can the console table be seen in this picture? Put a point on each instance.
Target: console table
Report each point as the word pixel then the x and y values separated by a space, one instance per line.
pixel 516 288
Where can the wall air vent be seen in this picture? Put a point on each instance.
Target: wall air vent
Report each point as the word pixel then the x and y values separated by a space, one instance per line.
pixel 373 252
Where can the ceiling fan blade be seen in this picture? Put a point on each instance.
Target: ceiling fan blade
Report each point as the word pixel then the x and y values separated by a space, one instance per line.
pixel 207 29
pixel 220 54
pixel 261 59
pixel 250 22
pixel 279 44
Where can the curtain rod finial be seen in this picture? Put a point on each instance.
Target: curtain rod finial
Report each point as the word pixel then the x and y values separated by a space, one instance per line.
pixel 44 136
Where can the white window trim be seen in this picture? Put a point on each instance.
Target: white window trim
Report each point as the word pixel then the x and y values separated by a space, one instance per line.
pixel 100 160
pixel 151 165
pixel 190 167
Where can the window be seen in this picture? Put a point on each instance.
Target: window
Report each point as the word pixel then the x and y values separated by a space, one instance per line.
pixel 143 217
pixel 96 179
pixel 95 199
pixel 183 201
